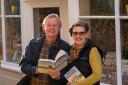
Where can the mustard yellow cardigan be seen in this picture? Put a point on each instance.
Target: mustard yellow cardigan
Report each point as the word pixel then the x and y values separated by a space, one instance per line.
pixel 96 65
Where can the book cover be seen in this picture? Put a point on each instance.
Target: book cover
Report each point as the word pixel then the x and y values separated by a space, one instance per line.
pixel 74 75
pixel 59 63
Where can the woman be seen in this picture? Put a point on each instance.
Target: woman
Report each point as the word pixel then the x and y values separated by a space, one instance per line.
pixel 84 55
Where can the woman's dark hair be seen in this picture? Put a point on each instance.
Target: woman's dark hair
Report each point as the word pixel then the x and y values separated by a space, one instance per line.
pixel 81 24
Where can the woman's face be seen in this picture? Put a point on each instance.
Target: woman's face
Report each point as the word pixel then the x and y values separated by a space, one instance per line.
pixel 79 35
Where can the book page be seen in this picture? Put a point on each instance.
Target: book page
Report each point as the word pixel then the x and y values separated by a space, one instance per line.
pixel 60 54
pixel 46 63
pixel 59 63
pixel 74 75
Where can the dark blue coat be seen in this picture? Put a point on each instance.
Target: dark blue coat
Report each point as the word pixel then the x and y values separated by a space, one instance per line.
pixel 32 54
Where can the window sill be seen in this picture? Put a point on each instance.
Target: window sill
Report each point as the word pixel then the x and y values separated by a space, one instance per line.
pixel 104 84
pixel 10 66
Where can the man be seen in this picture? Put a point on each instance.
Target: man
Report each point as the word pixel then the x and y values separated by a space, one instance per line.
pixel 45 47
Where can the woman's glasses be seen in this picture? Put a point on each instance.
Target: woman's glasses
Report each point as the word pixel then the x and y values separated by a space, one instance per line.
pixel 78 33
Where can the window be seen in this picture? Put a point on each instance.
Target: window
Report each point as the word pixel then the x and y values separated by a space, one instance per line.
pixel 0 6
pixel 12 7
pixel 11 28
pixel 0 34
pixel 96 7
pixel 13 39
pixel 0 40
pixel 124 39
pixel 103 31
pixel 124 7
pixel 109 27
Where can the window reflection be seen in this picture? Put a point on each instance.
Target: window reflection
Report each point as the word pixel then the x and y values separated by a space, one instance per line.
pixel 12 7
pixel 96 7
pixel 13 39
pixel 0 6
pixel 124 39
pixel 124 7
pixel 0 40
pixel 103 31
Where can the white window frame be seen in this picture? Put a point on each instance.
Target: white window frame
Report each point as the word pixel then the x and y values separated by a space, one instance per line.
pixel 4 63
pixel 74 16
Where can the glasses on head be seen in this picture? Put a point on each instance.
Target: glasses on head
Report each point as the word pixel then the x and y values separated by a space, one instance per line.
pixel 78 33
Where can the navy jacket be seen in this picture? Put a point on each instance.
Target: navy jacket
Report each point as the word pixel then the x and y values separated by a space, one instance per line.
pixel 32 54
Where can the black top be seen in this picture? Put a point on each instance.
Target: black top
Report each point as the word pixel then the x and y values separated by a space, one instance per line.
pixel 82 63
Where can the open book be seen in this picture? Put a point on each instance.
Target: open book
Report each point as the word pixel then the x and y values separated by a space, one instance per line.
pixel 59 63
pixel 74 75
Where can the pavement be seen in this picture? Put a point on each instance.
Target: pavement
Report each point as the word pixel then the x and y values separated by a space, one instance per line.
pixel 5 80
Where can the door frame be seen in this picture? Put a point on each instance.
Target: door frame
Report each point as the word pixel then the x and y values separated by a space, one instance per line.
pixel 27 24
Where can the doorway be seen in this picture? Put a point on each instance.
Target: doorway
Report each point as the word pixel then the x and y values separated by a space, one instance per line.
pixel 39 14
pixel 33 11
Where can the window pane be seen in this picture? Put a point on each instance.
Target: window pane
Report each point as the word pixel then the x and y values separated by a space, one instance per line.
pixel 0 7
pixel 124 7
pixel 12 7
pixel 13 39
pixel 0 40
pixel 96 7
pixel 103 31
pixel 124 33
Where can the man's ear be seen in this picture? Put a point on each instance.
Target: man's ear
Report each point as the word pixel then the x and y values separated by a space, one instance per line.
pixel 43 28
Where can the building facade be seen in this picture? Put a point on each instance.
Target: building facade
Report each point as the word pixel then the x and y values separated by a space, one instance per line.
pixel 20 21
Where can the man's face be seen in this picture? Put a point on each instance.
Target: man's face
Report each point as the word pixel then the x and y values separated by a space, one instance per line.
pixel 51 27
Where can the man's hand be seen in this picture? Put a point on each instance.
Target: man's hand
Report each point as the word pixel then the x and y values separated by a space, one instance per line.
pixel 42 70
pixel 69 83
pixel 54 74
